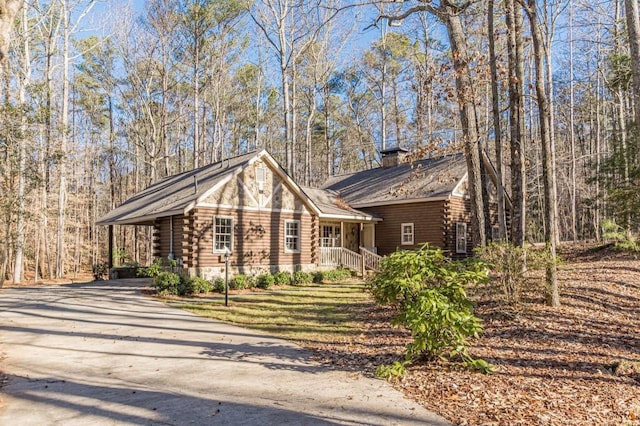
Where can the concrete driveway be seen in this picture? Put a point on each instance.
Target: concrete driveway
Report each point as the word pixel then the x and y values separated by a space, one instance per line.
pixel 102 353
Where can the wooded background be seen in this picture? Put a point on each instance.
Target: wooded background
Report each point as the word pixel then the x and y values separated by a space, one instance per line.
pixel 98 100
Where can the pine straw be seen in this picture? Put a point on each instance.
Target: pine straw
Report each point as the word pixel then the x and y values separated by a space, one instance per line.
pixel 573 365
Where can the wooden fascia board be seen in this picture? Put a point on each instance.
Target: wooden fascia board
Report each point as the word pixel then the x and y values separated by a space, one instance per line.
pixel 210 191
pixel 493 173
pixel 349 218
pixel 141 220
pixel 456 189
pixel 397 202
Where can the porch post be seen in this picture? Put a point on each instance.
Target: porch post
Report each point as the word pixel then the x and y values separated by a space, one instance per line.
pixel 341 234
pixel 110 254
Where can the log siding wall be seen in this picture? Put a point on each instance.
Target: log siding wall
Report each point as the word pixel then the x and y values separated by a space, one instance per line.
pixel 457 210
pixel 161 240
pixel 258 239
pixel 427 218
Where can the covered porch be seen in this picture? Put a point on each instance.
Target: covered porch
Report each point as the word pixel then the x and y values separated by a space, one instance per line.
pixel 346 236
pixel 348 244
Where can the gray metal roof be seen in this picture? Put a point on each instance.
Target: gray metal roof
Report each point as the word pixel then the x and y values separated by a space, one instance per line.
pixel 173 194
pixel 430 178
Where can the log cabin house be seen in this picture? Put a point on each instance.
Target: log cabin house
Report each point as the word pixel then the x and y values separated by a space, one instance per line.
pixel 249 206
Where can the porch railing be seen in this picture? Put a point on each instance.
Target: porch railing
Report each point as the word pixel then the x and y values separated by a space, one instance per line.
pixel 351 259
pixel 330 256
pixel 342 257
pixel 371 260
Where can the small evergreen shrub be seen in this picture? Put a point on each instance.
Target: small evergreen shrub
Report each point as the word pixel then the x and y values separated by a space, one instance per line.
pixel 282 278
pixel 218 285
pixel 623 240
pixel 200 285
pixel 100 271
pixel 150 271
pixel 301 277
pixel 332 275
pixel 240 282
pixel 265 281
pixel 167 283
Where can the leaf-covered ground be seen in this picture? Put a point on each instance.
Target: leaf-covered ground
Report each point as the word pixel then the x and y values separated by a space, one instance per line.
pixel 573 365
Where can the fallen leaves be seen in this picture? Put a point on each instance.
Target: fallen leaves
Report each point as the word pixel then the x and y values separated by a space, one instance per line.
pixel 573 365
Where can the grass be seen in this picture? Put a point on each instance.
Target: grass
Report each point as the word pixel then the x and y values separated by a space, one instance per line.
pixel 314 313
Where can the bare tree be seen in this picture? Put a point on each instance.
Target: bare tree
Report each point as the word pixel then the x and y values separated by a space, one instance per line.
pixel 544 117
pixel 633 29
pixel 449 13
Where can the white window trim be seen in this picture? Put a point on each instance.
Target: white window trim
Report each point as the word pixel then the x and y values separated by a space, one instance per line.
pixel 214 233
pixel 402 234
pixel 459 225
pixel 288 250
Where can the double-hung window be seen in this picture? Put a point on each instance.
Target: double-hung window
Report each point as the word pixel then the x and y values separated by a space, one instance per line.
pixel 291 236
pixel 406 230
pixel 222 234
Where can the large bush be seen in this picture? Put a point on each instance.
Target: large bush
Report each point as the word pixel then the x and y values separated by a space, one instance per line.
pixel 428 291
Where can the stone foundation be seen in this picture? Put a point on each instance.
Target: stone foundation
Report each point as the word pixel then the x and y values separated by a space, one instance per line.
pixel 213 272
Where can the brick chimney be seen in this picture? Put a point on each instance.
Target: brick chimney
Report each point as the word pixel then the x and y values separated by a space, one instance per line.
pixel 393 157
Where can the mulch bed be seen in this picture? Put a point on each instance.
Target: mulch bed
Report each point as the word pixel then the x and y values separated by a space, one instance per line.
pixel 573 365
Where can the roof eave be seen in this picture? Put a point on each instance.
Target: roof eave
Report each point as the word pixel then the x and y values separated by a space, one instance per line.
pixel 404 201
pixel 355 218
pixel 146 220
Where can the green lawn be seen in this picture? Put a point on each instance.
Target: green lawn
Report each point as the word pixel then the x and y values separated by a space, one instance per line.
pixel 318 313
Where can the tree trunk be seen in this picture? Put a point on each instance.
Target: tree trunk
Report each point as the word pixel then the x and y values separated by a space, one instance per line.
pixel 544 114
pixel 8 11
pixel 633 29
pixel 497 127
pixel 466 99
pixel 20 208
pixel 64 125
pixel 516 121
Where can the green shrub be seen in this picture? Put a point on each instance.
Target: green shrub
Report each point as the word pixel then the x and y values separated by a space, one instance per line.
pixel 240 282
pixel 265 281
pixel 282 278
pixel 623 239
pixel 167 283
pixel 200 285
pixel 150 271
pixel 428 291
pixel 301 277
pixel 218 285
pixel 100 271
pixel 332 275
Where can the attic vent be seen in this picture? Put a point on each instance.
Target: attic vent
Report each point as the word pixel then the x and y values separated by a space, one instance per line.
pixel 261 174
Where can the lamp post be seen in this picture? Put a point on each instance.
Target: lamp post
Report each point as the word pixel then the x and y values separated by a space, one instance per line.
pixel 227 255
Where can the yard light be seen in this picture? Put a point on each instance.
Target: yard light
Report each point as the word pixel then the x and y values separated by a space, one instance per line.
pixel 227 255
